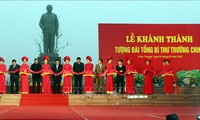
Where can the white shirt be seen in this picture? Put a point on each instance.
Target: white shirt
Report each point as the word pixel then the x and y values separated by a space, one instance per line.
pixel 100 65
pixel 56 67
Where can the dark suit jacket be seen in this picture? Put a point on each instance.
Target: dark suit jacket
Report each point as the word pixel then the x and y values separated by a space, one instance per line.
pixel 36 68
pixel 99 70
pixel 53 68
pixel 123 68
pixel 14 75
pixel 78 67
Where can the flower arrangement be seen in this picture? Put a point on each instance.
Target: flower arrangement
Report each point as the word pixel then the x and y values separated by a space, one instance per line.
pixel 193 79
pixel 157 79
pixel 186 78
pixel 139 78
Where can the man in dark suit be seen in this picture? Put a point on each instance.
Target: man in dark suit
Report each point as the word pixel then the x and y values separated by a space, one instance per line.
pixel 78 67
pixel 57 68
pixel 120 79
pixel 36 66
pixel 14 77
pixel 99 69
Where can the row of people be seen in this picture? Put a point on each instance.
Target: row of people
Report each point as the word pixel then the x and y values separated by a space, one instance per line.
pixel 78 71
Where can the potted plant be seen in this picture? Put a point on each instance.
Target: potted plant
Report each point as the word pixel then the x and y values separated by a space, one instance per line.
pixel 139 79
pixel 193 80
pixel 182 78
pixel 188 78
pixel 194 77
pixel 157 80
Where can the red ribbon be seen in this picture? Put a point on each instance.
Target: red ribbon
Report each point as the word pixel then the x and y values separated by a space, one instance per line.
pixel 11 72
pixel 115 71
pixel 34 72
pixel 75 73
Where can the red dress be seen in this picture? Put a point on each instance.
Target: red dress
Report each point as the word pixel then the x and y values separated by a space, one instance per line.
pixel 168 79
pixel 46 83
pixel 88 81
pixel 148 81
pixel 67 74
pixel 2 78
pixel 130 79
pixel 109 78
pixel 24 71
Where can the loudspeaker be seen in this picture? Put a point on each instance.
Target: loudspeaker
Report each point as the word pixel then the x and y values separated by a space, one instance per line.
pixel 172 117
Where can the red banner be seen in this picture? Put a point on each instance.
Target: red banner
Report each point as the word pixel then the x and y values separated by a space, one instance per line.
pixel 179 43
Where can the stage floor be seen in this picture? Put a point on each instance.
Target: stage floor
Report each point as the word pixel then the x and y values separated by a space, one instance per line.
pixel 96 112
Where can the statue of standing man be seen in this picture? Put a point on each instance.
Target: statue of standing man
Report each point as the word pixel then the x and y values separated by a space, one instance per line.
pixel 49 25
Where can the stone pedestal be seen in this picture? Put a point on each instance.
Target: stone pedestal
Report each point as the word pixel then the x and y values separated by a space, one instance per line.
pixel 52 57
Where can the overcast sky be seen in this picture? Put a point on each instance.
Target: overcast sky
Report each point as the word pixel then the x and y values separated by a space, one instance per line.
pixel 79 23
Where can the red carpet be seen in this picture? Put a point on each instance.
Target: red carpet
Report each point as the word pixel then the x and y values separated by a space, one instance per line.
pixel 38 113
pixel 44 100
pixel 56 107
pixel 96 112
pixel 136 112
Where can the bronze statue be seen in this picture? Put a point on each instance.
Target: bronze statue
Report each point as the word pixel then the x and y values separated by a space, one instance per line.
pixel 49 25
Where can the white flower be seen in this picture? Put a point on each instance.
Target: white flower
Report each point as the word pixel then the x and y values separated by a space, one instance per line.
pixel 186 81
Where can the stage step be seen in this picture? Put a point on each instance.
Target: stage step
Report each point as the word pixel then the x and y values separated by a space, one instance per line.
pixel 113 99
pixel 182 90
pixel 10 99
pixel 44 100
pixel 187 96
